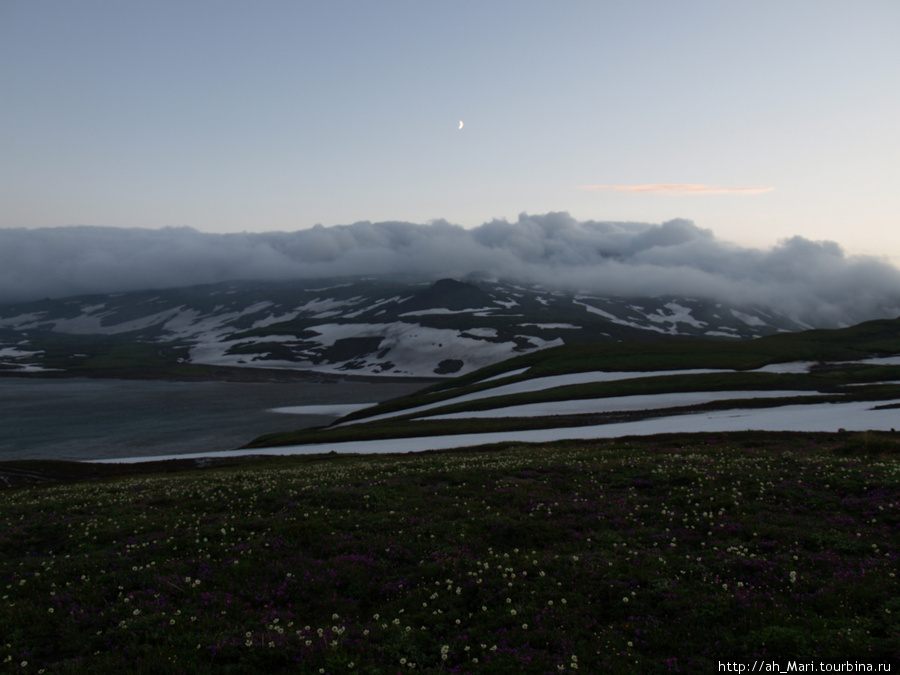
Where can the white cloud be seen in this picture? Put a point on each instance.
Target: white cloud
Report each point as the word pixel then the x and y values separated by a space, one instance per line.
pixel 814 280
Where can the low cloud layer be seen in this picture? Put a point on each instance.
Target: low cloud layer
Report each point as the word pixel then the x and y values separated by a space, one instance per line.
pixel 812 280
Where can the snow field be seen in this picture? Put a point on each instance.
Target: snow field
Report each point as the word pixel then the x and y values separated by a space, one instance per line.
pixel 830 417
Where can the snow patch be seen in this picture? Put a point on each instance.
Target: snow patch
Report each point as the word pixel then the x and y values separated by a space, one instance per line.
pixel 539 384
pixel 480 332
pixel 275 318
pixel 336 410
pixel 618 404
pixel 550 326
pixel 829 417
pixel 319 305
pixel 23 321
pixel 444 310
pixel 509 373
pixel 679 314
pixel 748 319
pixel 614 319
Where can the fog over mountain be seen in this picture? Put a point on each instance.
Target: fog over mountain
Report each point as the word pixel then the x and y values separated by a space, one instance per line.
pixel 812 280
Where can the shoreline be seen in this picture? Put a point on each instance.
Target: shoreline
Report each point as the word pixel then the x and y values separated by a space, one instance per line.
pixel 802 418
pixel 219 374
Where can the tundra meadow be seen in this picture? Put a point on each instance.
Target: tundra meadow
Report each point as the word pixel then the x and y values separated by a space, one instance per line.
pixel 667 554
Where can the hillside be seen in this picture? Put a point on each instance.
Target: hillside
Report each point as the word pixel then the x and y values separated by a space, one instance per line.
pixel 343 327
pixel 837 378
pixel 627 556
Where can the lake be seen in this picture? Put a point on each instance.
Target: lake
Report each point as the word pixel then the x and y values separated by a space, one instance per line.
pixel 81 419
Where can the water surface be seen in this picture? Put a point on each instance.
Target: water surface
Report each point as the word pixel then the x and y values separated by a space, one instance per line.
pixel 95 419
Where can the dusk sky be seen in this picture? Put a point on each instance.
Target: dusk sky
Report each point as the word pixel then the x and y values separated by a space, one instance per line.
pixel 756 119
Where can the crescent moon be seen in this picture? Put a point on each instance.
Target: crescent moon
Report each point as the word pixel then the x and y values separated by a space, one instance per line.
pixel 460 124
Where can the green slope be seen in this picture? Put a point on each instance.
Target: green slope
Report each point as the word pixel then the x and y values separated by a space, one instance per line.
pixel 837 351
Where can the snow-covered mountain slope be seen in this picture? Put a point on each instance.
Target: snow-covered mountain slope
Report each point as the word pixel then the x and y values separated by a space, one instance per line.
pixel 347 326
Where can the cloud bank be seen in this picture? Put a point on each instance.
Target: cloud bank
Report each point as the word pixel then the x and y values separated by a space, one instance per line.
pixel 812 280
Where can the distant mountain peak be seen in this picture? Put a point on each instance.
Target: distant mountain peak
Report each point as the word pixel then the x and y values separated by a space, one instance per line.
pixel 449 294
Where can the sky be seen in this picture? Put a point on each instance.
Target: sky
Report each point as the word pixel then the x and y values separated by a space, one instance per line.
pixel 756 120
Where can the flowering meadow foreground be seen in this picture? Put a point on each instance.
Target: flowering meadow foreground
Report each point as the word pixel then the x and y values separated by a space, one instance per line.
pixel 666 554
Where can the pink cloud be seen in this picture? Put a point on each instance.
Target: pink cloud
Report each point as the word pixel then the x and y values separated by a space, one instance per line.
pixel 681 189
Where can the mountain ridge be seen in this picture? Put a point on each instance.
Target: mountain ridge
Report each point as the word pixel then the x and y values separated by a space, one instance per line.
pixel 341 327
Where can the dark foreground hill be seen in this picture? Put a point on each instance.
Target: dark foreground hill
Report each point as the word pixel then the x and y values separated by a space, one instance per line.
pixel 675 554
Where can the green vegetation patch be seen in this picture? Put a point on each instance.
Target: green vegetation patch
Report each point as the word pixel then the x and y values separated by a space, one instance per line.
pixel 666 554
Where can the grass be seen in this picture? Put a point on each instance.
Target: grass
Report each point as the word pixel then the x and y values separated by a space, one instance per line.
pixel 666 554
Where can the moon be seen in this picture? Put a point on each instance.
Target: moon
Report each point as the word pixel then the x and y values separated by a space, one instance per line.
pixel 460 124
